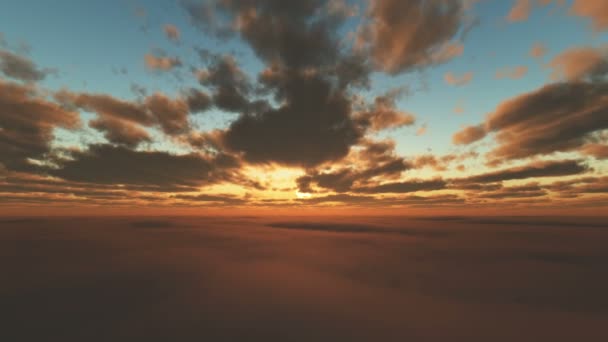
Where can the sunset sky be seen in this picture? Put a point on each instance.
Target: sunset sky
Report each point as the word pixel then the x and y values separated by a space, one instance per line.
pixel 267 106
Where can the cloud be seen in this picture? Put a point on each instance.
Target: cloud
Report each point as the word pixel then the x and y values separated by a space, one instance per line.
pixel 372 161
pixel 531 190
pixel 532 170
pixel 596 10
pixel 515 73
pixel 598 151
pixel 162 63
pixel 580 63
pixel 538 50
pixel 197 100
pixel 223 199
pixel 307 74
pixel 456 80
pixel 20 68
pixel 231 86
pixel 120 131
pixel 107 164
pixel 27 122
pixel 172 32
pixel 440 163
pixel 469 135
pixel 384 114
pixel 169 114
pixel 421 130
pixel 404 187
pixel 556 117
pixel 520 10
pixel 419 35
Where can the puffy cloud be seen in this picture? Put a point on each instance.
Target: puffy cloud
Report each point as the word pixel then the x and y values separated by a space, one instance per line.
pixel 452 79
pixel 172 32
pixel 171 115
pixel 596 10
pixel 197 100
pixel 515 73
pixel 384 114
pixel 20 68
pixel 307 73
pixel 404 35
pixel 231 86
pixel 580 63
pixel 27 122
pixel 162 63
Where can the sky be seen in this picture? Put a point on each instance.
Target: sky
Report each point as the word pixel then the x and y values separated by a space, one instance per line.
pixel 267 106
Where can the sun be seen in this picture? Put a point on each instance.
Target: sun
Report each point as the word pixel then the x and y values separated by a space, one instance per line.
pixel 301 195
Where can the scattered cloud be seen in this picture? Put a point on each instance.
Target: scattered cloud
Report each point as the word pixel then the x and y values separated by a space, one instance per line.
pixel 172 32
pixel 514 73
pixel 455 80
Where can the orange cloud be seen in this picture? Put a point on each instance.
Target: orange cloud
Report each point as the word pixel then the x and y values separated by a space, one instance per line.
pixel 538 50
pixel 154 62
pixel 419 36
pixel 469 135
pixel 512 73
pixel 520 11
pixel 452 79
pixel 596 10
pixel 579 63
pixel 172 32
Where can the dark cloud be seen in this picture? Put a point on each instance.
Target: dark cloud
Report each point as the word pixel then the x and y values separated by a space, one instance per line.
pixel 532 170
pixel 27 122
pixel 522 191
pixel 373 160
pixel 213 199
pixel 579 186
pixel 106 164
pixel 307 73
pixel 404 187
pixel 231 86
pixel 20 68
pixel 405 35
pixel 197 100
